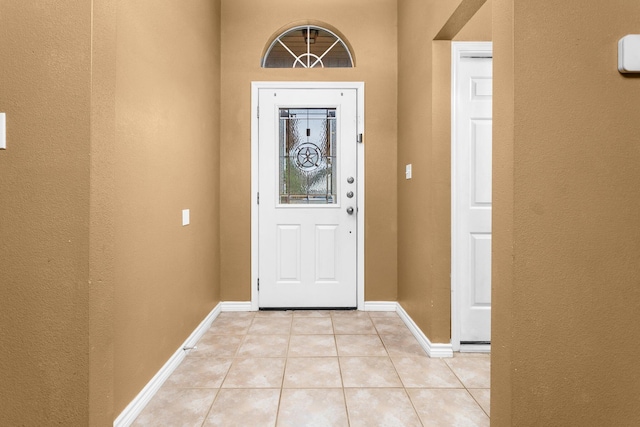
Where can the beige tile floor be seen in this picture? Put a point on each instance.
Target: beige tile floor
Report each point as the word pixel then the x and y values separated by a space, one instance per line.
pixel 319 368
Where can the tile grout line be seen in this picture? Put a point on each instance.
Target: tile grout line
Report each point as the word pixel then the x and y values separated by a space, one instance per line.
pixel 478 403
pixel 404 388
pixel 284 371
pixel 225 375
pixel 344 393
pixel 204 420
pixel 467 389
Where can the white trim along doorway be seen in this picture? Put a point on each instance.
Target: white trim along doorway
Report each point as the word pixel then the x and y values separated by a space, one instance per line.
pixel 351 90
pixel 471 199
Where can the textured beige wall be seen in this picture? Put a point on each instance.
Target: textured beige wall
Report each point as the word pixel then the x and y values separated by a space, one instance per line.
pixel 424 140
pixel 44 212
pixel 566 248
pixel 502 272
pixel 165 159
pixel 479 26
pixel 110 137
pixel 370 27
pixel 102 204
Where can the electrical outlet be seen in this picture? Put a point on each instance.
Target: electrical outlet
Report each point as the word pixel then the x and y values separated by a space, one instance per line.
pixel 407 171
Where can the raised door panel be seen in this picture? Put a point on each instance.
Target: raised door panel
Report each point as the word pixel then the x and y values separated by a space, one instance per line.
pixel 326 253
pixel 481 162
pixel 288 253
pixel 480 295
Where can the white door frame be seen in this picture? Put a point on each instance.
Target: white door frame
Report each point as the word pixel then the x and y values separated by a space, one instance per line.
pixel 483 49
pixel 255 88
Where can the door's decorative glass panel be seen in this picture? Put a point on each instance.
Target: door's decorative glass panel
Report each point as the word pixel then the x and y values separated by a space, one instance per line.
pixel 308 47
pixel 307 156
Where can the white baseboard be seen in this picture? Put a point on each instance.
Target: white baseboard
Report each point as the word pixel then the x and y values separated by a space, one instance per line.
pixel 236 305
pixel 432 349
pixel 131 412
pixel 380 306
pixel 475 348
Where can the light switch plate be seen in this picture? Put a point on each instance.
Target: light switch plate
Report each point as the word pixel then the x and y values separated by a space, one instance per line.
pixel 3 131
pixel 185 217
pixel 629 54
pixel 407 171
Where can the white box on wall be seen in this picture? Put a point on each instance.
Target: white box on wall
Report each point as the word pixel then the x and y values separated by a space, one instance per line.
pixel 3 131
pixel 629 54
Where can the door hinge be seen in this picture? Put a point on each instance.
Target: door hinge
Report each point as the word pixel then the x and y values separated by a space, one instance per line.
pixel 258 112
pixel 359 138
pixel 258 285
pixel 258 198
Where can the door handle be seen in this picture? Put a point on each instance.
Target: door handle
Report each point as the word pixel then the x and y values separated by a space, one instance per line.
pixel 350 210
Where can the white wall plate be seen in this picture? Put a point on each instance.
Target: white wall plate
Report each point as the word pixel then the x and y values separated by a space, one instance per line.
pixel 629 54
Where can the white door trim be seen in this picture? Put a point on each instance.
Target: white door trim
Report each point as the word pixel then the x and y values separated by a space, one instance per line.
pixel 255 88
pixel 458 50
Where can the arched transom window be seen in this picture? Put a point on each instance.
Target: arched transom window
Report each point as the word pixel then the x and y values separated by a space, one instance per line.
pixel 308 46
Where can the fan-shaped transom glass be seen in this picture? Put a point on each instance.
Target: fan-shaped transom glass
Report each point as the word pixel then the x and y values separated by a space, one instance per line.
pixel 308 46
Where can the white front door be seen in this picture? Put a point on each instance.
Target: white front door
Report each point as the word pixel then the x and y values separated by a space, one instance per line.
pixel 471 193
pixel 308 214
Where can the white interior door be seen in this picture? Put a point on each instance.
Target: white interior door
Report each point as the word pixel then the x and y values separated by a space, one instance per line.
pixel 307 198
pixel 471 198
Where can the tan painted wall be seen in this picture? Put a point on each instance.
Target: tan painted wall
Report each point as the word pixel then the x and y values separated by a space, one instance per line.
pixel 502 273
pixel 424 140
pixel 103 202
pixel 566 245
pixel 110 137
pixel 370 27
pixel 44 212
pixel 165 159
pixel 479 26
